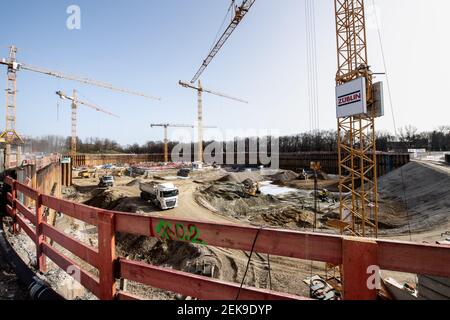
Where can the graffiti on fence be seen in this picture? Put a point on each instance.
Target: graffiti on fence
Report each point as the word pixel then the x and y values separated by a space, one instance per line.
pixel 179 232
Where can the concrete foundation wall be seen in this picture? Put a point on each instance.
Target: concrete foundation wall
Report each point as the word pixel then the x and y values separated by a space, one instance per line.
pixel 92 160
pixel 49 180
pixel 288 161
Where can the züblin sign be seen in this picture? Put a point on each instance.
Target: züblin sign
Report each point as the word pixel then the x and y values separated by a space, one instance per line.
pixel 351 98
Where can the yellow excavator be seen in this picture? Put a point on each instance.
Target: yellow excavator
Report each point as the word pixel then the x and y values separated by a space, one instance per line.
pixel 119 172
pixel 86 174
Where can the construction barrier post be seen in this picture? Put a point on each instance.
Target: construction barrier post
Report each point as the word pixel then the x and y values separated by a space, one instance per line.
pixel 107 254
pixel 359 260
pixel 40 238
pixel 13 206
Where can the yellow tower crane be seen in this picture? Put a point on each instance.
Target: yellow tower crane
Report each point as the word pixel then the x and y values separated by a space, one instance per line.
pixel 75 103
pixel 166 136
pixel 238 14
pixel 10 135
pixel 200 91
pixel 166 126
pixel 359 103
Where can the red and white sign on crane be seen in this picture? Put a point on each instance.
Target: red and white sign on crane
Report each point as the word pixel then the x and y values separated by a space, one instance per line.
pixel 351 98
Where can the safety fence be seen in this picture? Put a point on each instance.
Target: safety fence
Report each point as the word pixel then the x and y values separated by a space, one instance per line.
pixel 355 255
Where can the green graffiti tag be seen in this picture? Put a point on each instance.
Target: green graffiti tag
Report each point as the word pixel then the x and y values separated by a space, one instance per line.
pixel 179 232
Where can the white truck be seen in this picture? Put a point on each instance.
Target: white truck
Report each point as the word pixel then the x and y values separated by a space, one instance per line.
pixel 162 195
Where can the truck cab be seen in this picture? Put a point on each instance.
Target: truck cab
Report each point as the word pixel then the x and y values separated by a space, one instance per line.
pixel 164 195
pixel 106 181
pixel 168 196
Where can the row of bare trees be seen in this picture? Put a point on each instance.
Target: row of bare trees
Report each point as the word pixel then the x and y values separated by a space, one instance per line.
pixel 408 137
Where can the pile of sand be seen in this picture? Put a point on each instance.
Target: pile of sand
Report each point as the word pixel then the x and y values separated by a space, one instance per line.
pixel 230 200
pixel 425 192
pixel 106 199
pixel 284 176
pixel 134 183
pixel 242 176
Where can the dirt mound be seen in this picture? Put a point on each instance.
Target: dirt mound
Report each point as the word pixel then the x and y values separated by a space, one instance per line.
pixel 134 183
pixel 227 191
pixel 241 177
pixel 284 176
pixel 289 216
pixel 106 199
pixel 425 191
pixel 322 176
pixel 180 256
pixel 231 200
pixel 70 193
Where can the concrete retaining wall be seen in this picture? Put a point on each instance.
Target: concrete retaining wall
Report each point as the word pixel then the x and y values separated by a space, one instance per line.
pixel 387 162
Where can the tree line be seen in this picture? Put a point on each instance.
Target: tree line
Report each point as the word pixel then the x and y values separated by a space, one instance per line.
pixel 408 137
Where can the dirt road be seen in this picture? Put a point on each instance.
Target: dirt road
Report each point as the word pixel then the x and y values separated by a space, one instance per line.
pixel 280 274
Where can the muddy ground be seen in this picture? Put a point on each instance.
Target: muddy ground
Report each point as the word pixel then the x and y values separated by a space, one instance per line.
pixel 286 275
pixel 411 209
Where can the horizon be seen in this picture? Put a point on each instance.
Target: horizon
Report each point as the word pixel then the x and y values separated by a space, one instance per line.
pixel 152 53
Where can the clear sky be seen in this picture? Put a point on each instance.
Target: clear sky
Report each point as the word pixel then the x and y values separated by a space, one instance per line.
pixel 148 45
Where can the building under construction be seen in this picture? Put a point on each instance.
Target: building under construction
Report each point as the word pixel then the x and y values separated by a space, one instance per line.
pixel 352 224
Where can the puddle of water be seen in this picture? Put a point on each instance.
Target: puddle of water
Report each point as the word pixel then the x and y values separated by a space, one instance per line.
pixel 267 188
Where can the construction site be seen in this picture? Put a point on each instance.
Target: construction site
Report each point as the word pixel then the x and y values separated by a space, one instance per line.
pixel 355 223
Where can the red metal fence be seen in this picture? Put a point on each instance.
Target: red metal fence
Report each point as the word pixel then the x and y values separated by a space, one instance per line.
pixel 354 254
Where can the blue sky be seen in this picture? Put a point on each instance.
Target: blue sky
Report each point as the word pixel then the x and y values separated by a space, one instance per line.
pixel 148 45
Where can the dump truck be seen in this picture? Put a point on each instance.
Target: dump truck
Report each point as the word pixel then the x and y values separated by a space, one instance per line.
pixel 106 182
pixel 162 195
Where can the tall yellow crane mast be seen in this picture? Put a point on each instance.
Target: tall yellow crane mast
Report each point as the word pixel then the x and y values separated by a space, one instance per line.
pixel 358 105
pixel 200 91
pixel 75 103
pixel 10 133
pixel 239 13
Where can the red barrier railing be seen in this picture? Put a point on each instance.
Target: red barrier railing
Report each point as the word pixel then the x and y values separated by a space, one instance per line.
pixel 354 254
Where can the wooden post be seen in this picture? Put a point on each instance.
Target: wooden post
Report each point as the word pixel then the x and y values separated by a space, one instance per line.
pixel 124 282
pixel 40 238
pixel 358 256
pixel 107 254
pixel 13 205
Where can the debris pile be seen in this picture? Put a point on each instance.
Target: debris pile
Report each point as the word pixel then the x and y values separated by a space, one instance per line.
pixel 232 199
pixel 284 176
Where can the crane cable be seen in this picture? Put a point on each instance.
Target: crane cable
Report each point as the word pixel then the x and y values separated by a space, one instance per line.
pixel 388 83
pixel 58 86
pixel 312 71
pixel 249 262
pixel 222 25
pixel 312 67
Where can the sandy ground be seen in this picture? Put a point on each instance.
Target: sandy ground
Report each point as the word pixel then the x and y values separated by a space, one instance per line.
pixel 415 202
pixel 286 275
pixel 422 188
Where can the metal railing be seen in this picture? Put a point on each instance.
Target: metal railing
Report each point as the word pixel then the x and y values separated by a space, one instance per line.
pixel 356 255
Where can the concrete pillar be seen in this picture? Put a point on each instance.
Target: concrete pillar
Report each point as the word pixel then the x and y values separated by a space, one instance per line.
pixel 8 156
pixel 19 155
